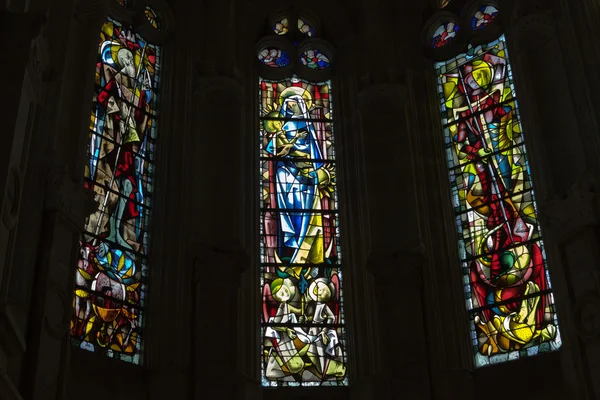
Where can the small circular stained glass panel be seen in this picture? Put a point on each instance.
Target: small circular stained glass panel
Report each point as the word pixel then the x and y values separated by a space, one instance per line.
pixel 305 28
pixel 152 17
pixel 281 26
pixel 314 59
pixel 484 16
pixel 444 34
pixel 273 57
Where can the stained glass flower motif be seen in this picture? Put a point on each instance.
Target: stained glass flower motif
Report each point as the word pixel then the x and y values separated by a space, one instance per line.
pixel 152 17
pixel 444 34
pixel 281 27
pixel 273 57
pixel 483 17
pixel 305 28
pixel 314 59
pixel 508 293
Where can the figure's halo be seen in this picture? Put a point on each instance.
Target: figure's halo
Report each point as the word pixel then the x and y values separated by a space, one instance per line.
pixel 313 285
pixel 295 90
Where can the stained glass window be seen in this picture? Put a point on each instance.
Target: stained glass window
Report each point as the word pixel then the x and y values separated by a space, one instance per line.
pixel 483 17
pixel 507 286
pixel 314 59
pixel 123 3
pixel 303 338
pixel 444 34
pixel 110 281
pixel 273 57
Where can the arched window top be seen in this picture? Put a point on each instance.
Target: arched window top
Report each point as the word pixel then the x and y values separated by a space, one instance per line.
pixel 449 33
pixel 286 51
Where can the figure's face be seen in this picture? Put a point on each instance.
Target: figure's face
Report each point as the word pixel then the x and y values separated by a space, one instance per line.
pixel 126 60
pixel 283 294
pixel 450 27
pixel 294 107
pixel 323 292
pixel 478 15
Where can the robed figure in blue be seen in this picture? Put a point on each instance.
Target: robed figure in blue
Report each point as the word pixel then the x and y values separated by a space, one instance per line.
pixel 298 163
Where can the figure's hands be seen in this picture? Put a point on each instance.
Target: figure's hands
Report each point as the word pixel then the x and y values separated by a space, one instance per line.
pixel 285 149
pixel 291 333
pixel 324 336
pixel 484 152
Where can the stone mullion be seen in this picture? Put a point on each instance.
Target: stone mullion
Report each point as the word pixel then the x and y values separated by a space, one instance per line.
pixel 27 64
pixel 66 203
pixel 562 153
pixel 217 276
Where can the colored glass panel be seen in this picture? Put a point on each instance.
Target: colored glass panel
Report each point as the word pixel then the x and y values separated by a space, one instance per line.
pixel 281 27
pixel 315 59
pixel 305 28
pixel 152 17
pixel 483 17
pixel 303 337
pixel 275 58
pixel 110 281
pixel 444 34
pixel 444 3
pixel 123 3
pixel 507 285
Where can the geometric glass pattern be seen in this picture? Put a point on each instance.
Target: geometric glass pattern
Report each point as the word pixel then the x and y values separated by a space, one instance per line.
pixel 483 17
pixel 508 293
pixel 302 319
pixel 110 280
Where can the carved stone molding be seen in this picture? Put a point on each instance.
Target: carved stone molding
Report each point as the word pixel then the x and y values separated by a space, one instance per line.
pixel 12 197
pixel 7 388
pixel 453 384
pixel 382 98
pixel 586 312
pixel 533 30
pixel 578 209
pixel 58 312
pixel 398 266
pixel 26 6
pixel 219 91
pixel 12 338
pixel 40 67
pixel 217 261
pixel 91 12
pixel 68 197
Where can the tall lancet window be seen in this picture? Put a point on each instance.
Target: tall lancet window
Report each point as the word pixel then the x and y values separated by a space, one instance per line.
pixel 506 282
pixel 303 338
pixel 110 278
